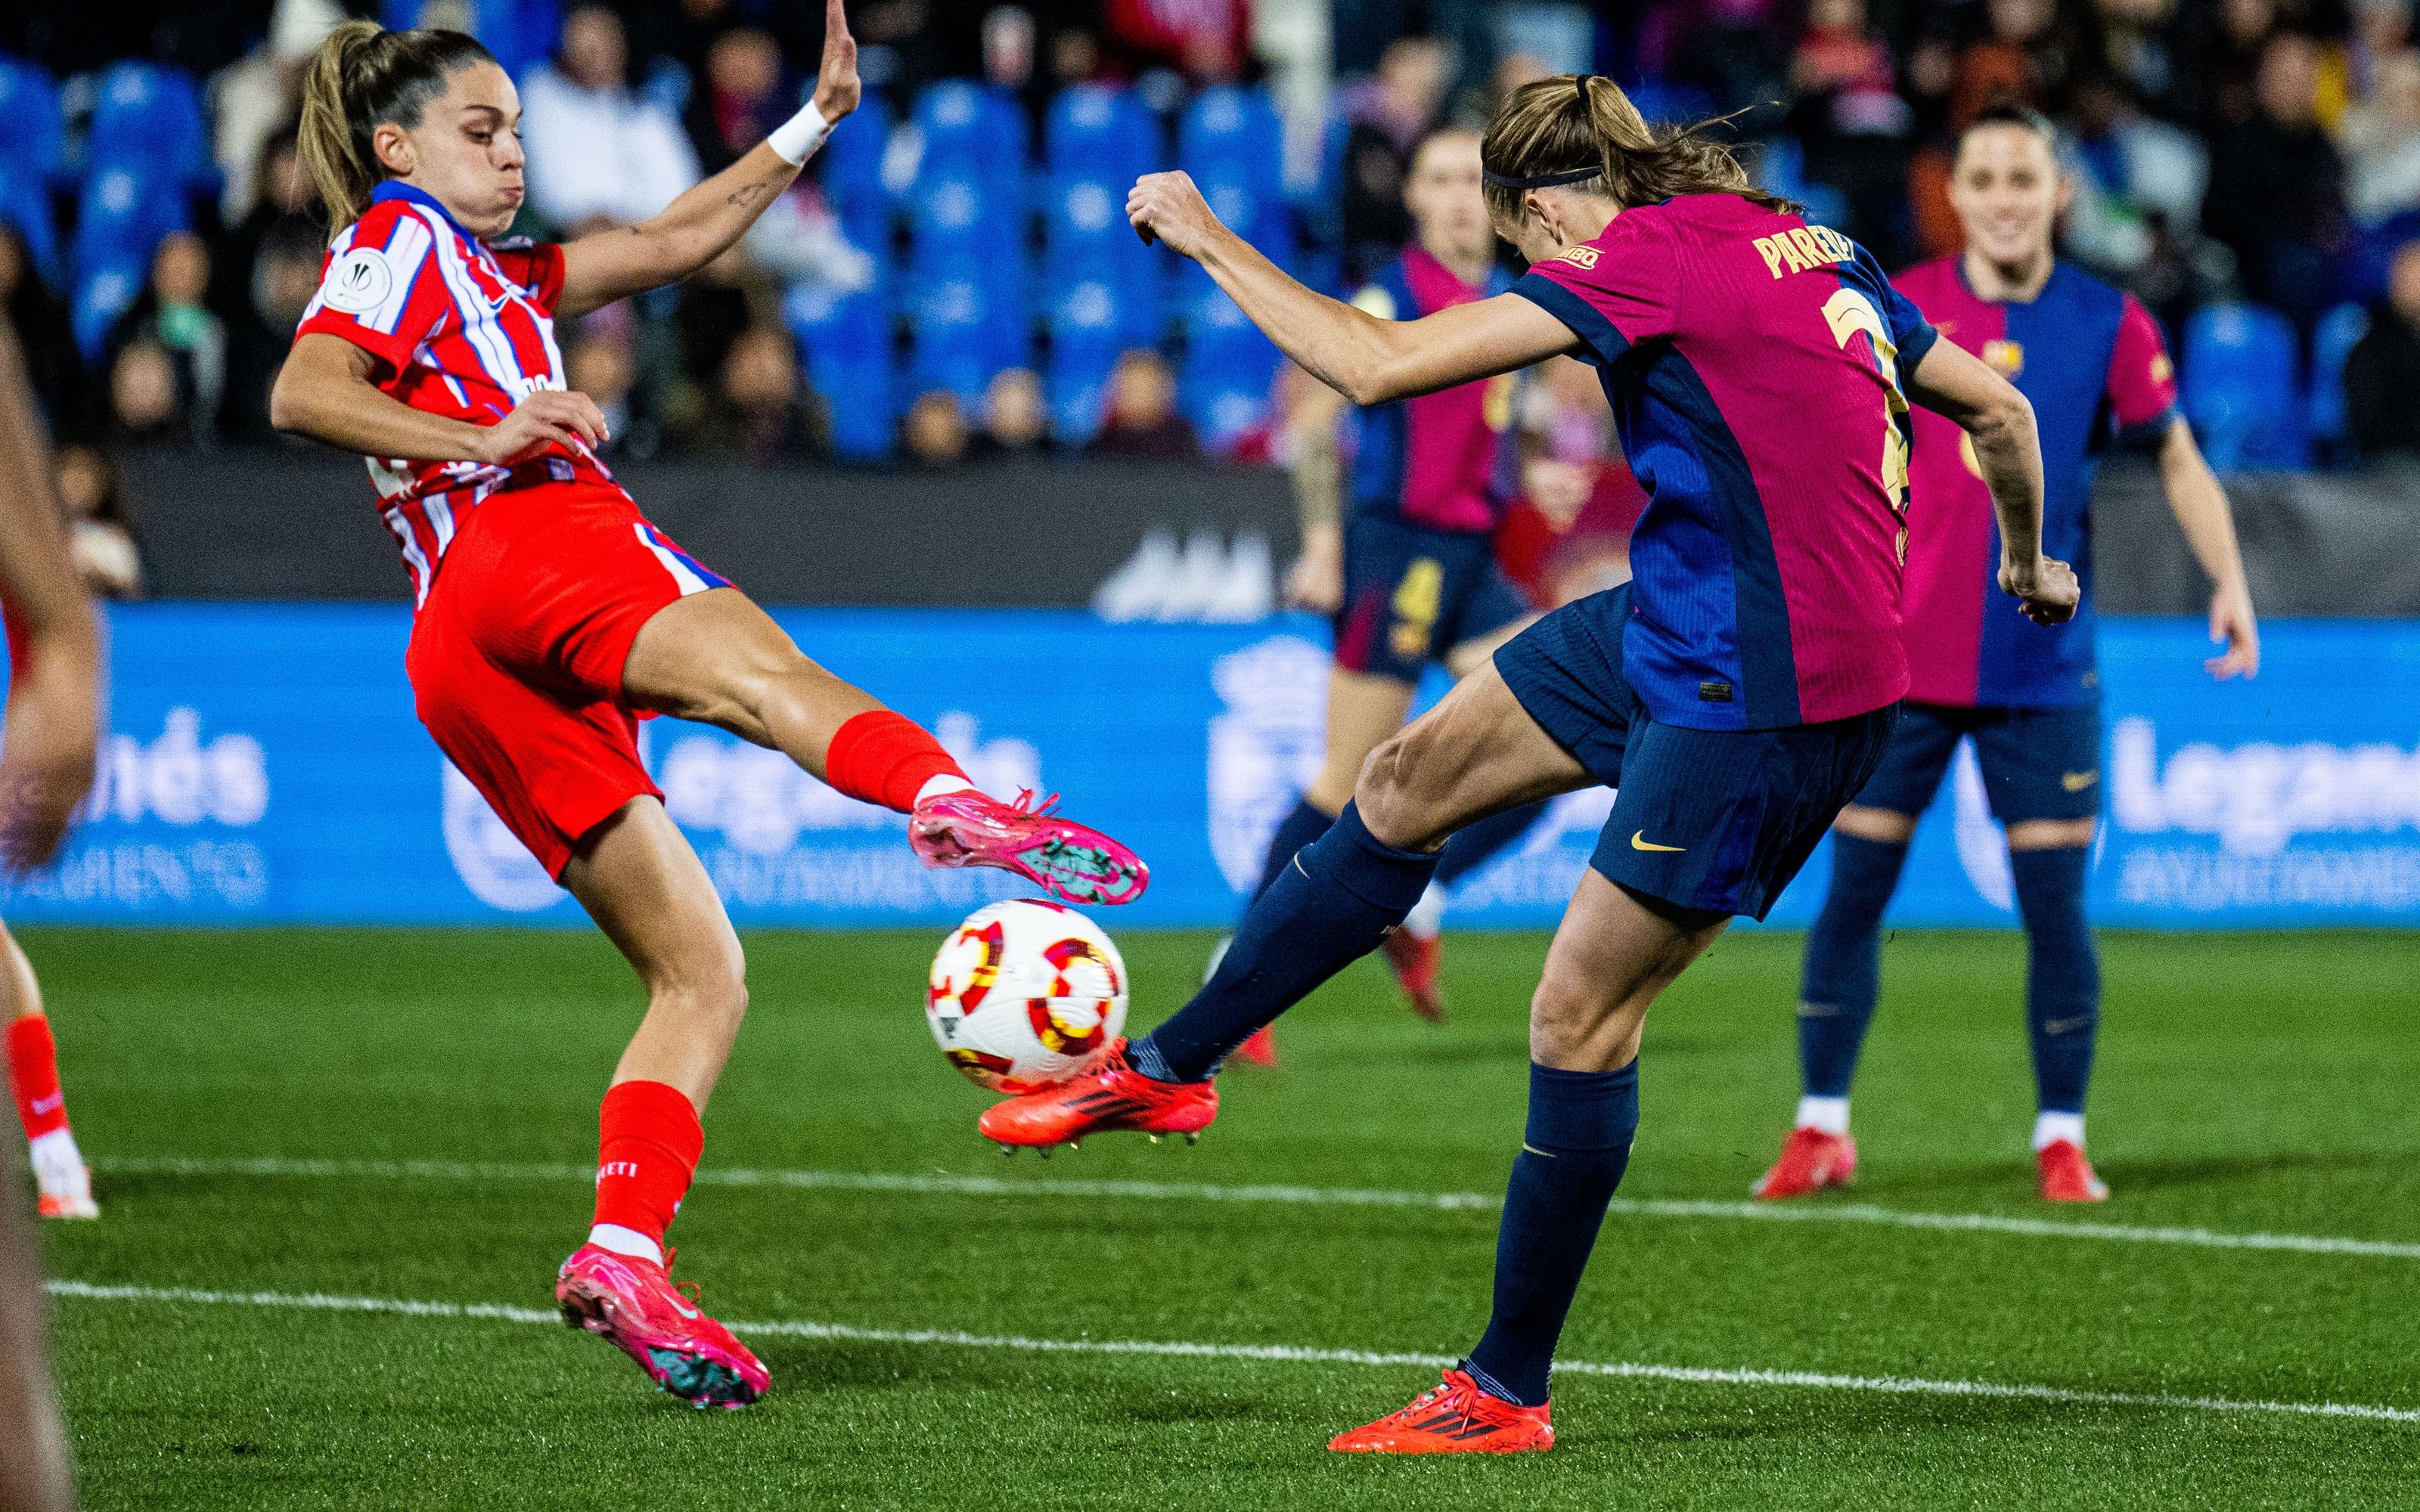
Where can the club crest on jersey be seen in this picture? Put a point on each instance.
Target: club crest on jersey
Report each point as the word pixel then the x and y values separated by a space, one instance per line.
pixel 1582 257
pixel 2007 358
pixel 360 280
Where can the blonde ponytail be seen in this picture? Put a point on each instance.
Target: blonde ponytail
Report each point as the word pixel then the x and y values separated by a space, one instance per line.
pixel 1582 130
pixel 362 77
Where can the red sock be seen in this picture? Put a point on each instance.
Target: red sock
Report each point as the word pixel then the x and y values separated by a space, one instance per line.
pixel 647 1144
pixel 885 758
pixel 34 1075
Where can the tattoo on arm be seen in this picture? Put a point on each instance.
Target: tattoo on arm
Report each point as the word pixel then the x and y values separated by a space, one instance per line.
pixel 746 194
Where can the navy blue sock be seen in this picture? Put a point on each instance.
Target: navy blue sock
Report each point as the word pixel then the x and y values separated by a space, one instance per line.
pixel 1835 997
pixel 1475 845
pixel 1581 1123
pixel 1328 908
pixel 2062 973
pixel 1301 828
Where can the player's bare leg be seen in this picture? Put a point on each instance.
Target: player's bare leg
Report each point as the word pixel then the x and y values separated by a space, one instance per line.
pixel 647 891
pixel 64 1180
pixel 716 657
pixel 1613 955
pixel 1477 754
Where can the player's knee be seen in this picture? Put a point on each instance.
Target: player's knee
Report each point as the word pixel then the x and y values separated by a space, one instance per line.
pixel 1397 790
pixel 1572 1024
pixel 711 984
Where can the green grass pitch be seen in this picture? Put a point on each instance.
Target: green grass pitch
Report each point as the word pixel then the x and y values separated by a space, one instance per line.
pixel 2248 1085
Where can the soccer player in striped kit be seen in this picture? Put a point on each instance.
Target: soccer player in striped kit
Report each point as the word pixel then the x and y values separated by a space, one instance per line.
pixel 1410 578
pixel 1736 692
pixel 2090 360
pixel 551 614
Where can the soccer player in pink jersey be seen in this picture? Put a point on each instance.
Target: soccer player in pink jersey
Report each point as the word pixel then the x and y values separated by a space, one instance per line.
pixel 2091 362
pixel 1409 577
pixel 551 614
pixel 1737 692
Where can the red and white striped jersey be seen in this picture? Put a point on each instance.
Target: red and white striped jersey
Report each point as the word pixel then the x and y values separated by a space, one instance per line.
pixel 461 329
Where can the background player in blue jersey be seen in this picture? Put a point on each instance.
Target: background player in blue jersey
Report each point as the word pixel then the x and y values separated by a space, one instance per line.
pixel 1737 691
pixel 2091 362
pixel 1410 577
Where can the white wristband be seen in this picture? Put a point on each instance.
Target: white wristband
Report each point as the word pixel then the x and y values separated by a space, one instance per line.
pixel 797 138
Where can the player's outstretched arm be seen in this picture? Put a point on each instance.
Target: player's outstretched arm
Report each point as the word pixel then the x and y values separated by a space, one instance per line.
pixel 701 224
pixel 1367 360
pixel 324 392
pixel 1953 381
pixel 2200 506
pixel 53 719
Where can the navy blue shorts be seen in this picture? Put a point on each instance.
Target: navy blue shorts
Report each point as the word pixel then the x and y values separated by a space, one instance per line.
pixel 1412 594
pixel 1718 820
pixel 2037 764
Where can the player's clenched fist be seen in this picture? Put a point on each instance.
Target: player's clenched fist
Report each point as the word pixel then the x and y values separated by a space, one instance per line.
pixel 549 416
pixel 2046 589
pixel 1166 206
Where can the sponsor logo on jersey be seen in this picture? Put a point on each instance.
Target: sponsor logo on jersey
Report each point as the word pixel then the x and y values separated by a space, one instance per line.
pixel 1580 257
pixel 360 282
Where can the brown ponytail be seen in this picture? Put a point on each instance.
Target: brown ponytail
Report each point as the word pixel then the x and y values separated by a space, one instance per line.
pixel 1563 126
pixel 362 77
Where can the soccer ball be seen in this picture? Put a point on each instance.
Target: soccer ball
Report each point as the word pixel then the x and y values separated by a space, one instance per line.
pixel 1026 993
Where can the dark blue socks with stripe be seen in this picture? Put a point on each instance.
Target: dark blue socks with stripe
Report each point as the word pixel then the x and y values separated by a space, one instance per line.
pixel 1835 997
pixel 2062 973
pixel 1581 1123
pixel 1301 828
pixel 1329 907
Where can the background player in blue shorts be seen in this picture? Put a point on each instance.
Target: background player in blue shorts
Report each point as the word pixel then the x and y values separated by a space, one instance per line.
pixel 1737 691
pixel 2091 360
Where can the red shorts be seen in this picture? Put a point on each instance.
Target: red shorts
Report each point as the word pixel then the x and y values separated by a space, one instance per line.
pixel 516 657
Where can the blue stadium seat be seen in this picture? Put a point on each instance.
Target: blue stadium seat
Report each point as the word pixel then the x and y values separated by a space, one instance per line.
pixel 1228 367
pixel 149 118
pixel 102 293
pixel 1074 389
pixel 845 348
pixel 2239 388
pixel 966 328
pixel 25 205
pixel 122 216
pixel 1106 304
pixel 521 33
pixel 1231 133
pixel 852 161
pixel 33 136
pixel 1097 131
pixel 969 126
pixel 2331 344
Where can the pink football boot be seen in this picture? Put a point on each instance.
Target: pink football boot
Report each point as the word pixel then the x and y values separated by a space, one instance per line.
pixel 1071 862
pixel 632 1304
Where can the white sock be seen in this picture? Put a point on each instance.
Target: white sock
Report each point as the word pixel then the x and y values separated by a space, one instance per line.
pixel 1829 1114
pixel 1427 916
pixel 622 1240
pixel 2050 1128
pixel 946 782
pixel 58 1165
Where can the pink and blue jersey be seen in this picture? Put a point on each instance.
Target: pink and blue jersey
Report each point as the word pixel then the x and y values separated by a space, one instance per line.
pixel 1445 460
pixel 1753 363
pixel 2091 360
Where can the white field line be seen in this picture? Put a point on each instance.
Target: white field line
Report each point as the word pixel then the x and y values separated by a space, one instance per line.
pixel 1898 1385
pixel 994 1186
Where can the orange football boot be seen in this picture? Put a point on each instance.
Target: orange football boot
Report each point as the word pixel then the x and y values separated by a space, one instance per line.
pixel 1110 1096
pixel 2066 1175
pixel 1415 959
pixel 1811 1161
pixel 1259 1048
pixel 1452 1418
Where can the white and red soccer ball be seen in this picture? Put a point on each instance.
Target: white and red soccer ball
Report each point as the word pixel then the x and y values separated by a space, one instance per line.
pixel 1026 993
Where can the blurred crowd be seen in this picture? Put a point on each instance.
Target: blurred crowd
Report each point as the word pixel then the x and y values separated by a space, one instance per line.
pixel 2251 168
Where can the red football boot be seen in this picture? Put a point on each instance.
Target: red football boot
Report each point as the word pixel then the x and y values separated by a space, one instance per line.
pixel 1452 1418
pixel 1811 1161
pixel 1071 862
pixel 1260 1047
pixel 1415 959
pixel 2066 1175
pixel 632 1304
pixel 1110 1096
